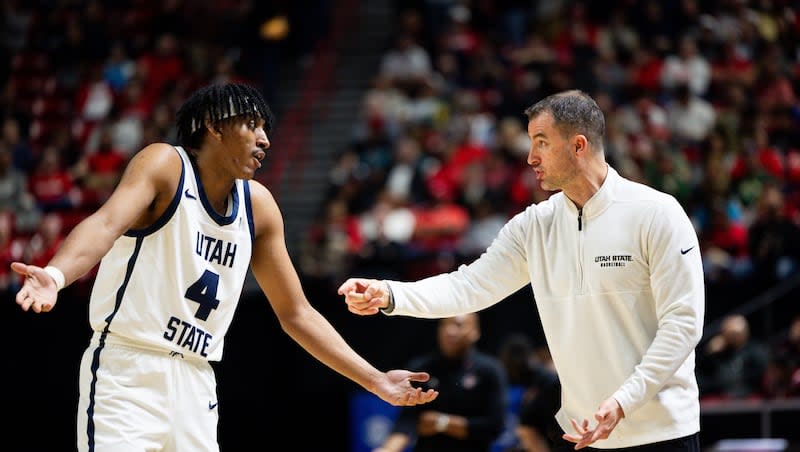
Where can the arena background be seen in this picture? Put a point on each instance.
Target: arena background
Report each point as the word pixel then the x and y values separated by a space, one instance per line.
pixel 318 62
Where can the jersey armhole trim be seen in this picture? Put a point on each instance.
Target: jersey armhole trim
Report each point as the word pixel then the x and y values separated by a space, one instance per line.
pixel 173 206
pixel 248 207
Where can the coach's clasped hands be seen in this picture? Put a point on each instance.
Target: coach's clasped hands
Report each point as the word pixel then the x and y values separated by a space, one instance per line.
pixel 608 416
pixel 365 296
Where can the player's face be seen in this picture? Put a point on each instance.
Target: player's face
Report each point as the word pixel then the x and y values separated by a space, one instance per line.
pixel 551 155
pixel 247 147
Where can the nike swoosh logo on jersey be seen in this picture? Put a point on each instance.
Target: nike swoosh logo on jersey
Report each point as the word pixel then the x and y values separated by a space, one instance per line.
pixel 684 251
pixel 211 406
pixel 188 194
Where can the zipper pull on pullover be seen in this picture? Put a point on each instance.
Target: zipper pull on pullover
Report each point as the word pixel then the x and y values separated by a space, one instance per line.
pixel 580 219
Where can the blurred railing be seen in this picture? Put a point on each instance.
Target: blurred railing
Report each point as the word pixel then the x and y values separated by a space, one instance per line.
pixel 761 302
pixel 763 408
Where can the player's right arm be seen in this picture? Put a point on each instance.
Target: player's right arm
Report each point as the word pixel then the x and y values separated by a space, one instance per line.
pixel 275 273
pixel 150 178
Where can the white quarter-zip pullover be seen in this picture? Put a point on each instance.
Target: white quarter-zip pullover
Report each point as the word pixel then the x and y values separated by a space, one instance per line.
pixel 620 292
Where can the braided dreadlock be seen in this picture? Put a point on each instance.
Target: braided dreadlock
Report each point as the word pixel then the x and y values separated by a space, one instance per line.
pixel 216 103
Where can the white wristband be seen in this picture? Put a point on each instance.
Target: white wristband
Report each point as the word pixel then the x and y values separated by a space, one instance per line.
pixel 57 276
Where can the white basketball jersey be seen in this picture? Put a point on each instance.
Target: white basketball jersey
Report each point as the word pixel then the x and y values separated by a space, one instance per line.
pixel 175 285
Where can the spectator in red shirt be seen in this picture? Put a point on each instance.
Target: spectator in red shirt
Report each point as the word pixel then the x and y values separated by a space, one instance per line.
pixel 52 185
pixel 756 166
pixel 44 243
pixel 726 245
pixel 100 171
pixel 160 67
pixel 440 225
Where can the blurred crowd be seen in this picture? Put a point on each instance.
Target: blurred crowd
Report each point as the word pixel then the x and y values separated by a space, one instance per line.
pixel 736 365
pixel 701 101
pixel 86 84
pixel 700 97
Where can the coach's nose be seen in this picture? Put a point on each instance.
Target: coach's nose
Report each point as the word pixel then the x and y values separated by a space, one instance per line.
pixel 533 159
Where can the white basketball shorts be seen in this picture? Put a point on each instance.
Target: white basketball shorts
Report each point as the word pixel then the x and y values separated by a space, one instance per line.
pixel 137 399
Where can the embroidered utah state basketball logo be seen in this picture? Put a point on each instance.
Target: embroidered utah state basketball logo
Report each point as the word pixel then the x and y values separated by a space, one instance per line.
pixel 613 260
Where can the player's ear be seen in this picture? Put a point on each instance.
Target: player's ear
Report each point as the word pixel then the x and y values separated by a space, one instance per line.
pixel 214 130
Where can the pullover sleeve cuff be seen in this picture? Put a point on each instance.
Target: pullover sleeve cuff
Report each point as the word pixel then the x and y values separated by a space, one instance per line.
pixel 624 402
pixel 389 309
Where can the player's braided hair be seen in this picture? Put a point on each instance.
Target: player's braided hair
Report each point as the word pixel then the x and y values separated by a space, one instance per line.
pixel 216 103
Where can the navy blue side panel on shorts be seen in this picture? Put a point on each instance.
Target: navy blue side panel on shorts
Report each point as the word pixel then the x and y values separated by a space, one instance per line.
pixel 96 357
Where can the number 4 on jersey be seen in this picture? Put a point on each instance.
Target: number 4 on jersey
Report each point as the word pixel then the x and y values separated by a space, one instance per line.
pixel 204 292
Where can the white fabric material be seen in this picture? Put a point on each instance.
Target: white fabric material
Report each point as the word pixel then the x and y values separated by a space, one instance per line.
pixel 621 302
pixel 161 401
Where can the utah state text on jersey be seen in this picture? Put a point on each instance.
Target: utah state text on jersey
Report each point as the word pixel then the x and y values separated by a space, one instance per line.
pixel 215 250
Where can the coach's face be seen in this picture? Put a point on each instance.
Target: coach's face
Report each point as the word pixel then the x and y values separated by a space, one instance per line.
pixel 551 155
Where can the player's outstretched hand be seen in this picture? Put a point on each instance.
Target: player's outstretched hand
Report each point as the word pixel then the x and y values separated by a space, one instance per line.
pixel 395 388
pixel 365 296
pixel 39 291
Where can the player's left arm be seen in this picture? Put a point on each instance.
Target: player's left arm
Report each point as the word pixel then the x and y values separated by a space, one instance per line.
pixel 277 277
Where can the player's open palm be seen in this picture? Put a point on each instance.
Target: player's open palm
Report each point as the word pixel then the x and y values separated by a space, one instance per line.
pixel 39 290
pixel 396 388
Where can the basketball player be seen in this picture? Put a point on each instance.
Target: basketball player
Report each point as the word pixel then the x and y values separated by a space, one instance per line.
pixel 174 243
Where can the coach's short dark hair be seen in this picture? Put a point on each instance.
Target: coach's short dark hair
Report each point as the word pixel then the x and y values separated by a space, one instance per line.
pixel 574 112
pixel 216 103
